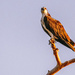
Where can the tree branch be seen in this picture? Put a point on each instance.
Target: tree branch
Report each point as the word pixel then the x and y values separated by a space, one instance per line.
pixel 59 65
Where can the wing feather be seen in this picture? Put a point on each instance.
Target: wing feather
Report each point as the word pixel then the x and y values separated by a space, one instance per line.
pixel 56 28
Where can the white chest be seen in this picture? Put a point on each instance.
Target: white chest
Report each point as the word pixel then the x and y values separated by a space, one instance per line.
pixel 44 26
pixel 42 19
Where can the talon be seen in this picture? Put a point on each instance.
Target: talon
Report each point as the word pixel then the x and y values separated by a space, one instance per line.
pixel 53 40
pixel 49 42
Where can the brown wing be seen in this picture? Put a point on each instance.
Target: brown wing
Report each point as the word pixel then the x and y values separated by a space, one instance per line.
pixel 59 32
pixel 56 28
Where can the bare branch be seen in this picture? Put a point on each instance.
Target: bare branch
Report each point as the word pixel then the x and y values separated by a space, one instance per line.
pixel 59 65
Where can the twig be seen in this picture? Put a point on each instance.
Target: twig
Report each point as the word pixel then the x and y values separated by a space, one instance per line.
pixel 59 65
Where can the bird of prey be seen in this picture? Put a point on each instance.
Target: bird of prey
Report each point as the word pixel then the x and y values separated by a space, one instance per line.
pixel 55 29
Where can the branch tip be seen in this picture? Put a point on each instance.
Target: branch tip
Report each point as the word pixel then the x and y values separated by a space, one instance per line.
pixel 59 65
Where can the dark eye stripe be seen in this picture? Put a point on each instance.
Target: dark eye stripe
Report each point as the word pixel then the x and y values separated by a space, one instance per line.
pixel 42 8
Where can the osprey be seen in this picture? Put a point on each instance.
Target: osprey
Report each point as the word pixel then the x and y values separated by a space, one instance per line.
pixel 55 29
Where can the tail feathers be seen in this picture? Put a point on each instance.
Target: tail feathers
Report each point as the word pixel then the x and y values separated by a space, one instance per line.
pixel 72 42
pixel 73 48
pixel 72 45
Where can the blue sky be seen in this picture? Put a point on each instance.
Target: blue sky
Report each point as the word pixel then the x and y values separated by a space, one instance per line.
pixel 24 48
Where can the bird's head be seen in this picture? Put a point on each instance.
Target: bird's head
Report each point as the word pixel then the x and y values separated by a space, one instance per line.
pixel 44 10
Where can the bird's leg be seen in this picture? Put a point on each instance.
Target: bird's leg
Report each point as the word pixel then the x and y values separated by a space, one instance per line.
pixel 52 39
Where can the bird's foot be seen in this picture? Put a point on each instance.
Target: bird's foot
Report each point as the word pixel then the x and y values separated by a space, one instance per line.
pixel 51 41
